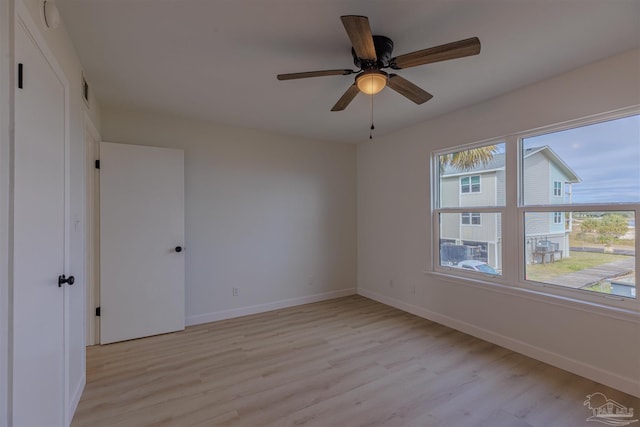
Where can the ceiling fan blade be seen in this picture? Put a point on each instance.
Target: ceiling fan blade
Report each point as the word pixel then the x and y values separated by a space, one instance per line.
pixel 359 33
pixel 345 99
pixel 304 75
pixel 459 49
pixel 406 88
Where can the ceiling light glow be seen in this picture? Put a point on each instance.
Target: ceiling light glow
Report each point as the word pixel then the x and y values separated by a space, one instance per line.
pixel 371 82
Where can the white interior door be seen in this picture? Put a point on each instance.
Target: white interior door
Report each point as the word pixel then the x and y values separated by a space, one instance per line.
pixel 141 227
pixel 39 230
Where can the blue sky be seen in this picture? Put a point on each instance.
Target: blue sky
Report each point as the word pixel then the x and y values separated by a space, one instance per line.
pixel 606 156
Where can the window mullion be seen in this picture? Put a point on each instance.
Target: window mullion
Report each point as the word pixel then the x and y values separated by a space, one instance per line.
pixel 511 247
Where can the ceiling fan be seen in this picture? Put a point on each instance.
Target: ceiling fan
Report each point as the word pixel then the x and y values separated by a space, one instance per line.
pixel 373 53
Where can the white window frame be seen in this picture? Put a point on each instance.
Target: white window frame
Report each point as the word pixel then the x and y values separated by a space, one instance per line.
pixel 512 280
pixel 557 217
pixel 459 210
pixel 559 188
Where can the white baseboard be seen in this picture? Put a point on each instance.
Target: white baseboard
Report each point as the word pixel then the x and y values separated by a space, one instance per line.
pixel 261 308
pixel 577 367
pixel 75 398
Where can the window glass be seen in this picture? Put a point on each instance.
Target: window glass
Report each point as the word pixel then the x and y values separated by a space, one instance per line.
pixel 591 251
pixel 465 185
pixel 476 246
pixel 557 217
pixel 473 177
pixel 470 218
pixel 596 163
pixel 470 184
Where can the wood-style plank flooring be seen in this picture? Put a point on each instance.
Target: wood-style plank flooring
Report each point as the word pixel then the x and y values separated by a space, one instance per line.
pixel 345 362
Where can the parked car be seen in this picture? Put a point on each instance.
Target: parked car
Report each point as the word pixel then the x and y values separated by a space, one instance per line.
pixel 475 265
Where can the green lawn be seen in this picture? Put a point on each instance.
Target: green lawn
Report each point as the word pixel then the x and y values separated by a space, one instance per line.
pixel 578 261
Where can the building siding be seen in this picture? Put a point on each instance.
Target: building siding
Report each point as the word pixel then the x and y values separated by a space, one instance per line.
pixel 536 179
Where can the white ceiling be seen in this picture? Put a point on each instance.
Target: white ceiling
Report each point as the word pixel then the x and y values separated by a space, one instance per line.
pixel 218 59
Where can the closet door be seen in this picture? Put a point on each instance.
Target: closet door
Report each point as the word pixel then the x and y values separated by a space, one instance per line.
pixel 39 389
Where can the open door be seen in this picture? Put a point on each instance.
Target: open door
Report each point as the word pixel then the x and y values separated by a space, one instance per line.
pixel 141 241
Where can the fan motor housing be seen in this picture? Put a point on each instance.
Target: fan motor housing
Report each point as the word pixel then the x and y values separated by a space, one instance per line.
pixel 384 49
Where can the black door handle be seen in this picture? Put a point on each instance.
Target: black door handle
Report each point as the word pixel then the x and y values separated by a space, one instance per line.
pixel 178 248
pixel 69 280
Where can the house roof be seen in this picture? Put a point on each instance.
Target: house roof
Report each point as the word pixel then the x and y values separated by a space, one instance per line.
pixel 571 175
pixel 497 163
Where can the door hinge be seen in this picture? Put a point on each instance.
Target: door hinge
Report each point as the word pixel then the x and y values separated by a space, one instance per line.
pixel 20 76
pixel 97 164
pixel 98 311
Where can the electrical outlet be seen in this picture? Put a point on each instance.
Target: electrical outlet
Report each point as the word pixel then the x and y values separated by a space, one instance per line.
pixel 235 292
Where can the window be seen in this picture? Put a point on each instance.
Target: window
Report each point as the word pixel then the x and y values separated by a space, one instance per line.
pixel 600 256
pixel 575 199
pixel 470 184
pixel 594 251
pixel 471 241
pixel 470 218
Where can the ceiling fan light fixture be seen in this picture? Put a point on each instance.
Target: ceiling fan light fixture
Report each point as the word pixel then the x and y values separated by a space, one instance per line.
pixel 371 53
pixel 371 82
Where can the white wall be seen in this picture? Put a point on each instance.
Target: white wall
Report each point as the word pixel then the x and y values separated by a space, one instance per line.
pixel 58 43
pixel 270 214
pixel 394 229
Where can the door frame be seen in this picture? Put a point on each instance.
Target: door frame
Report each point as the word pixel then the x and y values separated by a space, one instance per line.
pixel 92 230
pixel 6 140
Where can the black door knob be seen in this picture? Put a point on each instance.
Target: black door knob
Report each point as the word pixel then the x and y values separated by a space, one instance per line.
pixel 178 248
pixel 69 280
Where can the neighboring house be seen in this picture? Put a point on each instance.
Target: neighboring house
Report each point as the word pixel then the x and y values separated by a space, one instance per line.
pixel 548 180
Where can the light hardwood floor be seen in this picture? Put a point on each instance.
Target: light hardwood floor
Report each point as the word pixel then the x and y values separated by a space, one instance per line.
pixel 345 362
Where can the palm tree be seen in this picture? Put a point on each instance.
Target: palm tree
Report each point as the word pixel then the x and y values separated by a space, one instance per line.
pixel 468 159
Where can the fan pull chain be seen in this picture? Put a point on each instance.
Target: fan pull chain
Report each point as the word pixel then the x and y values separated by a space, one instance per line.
pixel 372 126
